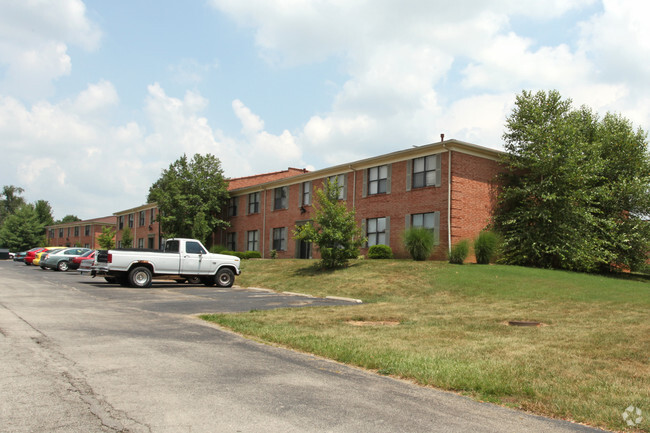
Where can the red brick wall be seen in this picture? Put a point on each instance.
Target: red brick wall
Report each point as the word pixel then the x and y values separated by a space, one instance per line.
pixel 472 203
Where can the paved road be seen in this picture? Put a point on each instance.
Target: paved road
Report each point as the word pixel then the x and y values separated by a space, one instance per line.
pixel 79 355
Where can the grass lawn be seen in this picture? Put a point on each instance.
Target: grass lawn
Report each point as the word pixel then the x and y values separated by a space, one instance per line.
pixel 446 326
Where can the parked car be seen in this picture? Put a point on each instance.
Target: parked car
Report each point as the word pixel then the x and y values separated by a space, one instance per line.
pixel 43 254
pixel 60 260
pixel 31 254
pixel 88 256
pixel 20 257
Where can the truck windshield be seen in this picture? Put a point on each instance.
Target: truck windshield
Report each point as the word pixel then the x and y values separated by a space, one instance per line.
pixel 172 246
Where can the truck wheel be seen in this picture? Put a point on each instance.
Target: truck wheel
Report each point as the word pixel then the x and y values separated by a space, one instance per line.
pixel 194 280
pixel 140 277
pixel 110 280
pixel 62 266
pixel 225 278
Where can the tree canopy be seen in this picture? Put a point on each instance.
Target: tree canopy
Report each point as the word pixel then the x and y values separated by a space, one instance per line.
pixel 574 192
pixel 334 229
pixel 22 229
pixel 10 201
pixel 190 195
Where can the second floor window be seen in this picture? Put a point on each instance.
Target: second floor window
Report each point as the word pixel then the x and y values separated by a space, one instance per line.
pixel 120 222
pixel 87 231
pixel 424 171
pixel 280 198
pixel 378 180
pixel 141 218
pixel 306 194
pixel 254 202
pixel 339 181
pixel 131 218
pixel 76 231
pixel 60 233
pixel 232 206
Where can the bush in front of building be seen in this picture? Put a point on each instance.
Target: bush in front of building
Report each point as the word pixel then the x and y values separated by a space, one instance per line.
pixel 218 249
pixel 244 255
pixel 380 252
pixel 419 242
pixel 459 252
pixel 486 246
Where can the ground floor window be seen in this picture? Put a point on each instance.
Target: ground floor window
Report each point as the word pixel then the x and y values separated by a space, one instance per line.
pixel 231 241
pixel 376 231
pixel 253 240
pixel 280 239
pixel 428 220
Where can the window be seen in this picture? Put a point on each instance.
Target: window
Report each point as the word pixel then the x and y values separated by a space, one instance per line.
pixel 51 233
pixel 172 247
pixel 429 220
pixel 376 231
pixel 131 218
pixel 231 241
pixel 305 199
pixel 141 243
pixel 280 239
pixel 87 230
pixel 232 206
pixel 141 218
pixel 280 198
pixel 76 231
pixel 253 202
pixel 152 215
pixel 120 222
pixel 253 239
pixel 378 180
pixel 68 231
pixel 339 181
pixel 425 171
pixel 194 248
pixel 150 242
pixel 60 232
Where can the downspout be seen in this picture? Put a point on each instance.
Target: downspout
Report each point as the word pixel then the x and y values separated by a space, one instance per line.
pixel 263 240
pixel 448 197
pixel 354 187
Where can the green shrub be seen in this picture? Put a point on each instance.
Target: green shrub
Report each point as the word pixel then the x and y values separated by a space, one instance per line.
pixel 252 255
pixel 459 252
pixel 419 242
pixel 380 252
pixel 274 254
pixel 217 249
pixel 485 247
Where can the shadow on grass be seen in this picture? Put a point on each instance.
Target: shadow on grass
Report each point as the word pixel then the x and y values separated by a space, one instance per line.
pixel 317 269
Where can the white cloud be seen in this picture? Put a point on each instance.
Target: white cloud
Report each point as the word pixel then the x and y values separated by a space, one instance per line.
pixel 34 39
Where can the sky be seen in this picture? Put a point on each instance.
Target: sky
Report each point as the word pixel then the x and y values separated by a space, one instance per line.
pixel 98 97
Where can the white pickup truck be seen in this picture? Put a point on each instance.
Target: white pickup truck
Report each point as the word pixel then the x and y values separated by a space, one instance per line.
pixel 181 260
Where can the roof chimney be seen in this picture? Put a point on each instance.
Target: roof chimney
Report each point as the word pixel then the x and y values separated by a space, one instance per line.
pixel 442 137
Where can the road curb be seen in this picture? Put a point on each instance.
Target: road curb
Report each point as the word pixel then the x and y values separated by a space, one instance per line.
pixel 339 298
pixel 304 295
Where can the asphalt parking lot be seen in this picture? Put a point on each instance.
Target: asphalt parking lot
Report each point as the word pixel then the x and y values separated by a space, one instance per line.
pixel 81 355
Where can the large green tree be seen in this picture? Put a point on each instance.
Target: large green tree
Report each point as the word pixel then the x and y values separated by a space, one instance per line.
pixel 574 193
pixel 334 229
pixel 44 211
pixel 10 200
pixel 191 195
pixel 22 230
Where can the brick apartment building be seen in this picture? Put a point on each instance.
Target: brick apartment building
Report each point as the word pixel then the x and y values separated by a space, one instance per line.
pixel 79 233
pixel 445 186
pixel 142 221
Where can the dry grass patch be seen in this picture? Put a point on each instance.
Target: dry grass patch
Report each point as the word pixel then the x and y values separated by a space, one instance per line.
pixel 443 325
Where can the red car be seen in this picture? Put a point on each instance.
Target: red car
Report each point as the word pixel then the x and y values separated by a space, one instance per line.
pixel 76 261
pixel 31 255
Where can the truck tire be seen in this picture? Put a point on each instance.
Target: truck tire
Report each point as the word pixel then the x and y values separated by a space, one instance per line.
pixel 110 280
pixel 140 277
pixel 225 277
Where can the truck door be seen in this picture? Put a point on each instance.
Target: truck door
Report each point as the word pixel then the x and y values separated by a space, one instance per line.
pixel 192 258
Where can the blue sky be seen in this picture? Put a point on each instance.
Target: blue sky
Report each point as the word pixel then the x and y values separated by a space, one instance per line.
pixel 97 97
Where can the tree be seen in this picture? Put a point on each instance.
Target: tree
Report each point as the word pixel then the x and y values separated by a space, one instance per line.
pixel 69 219
pixel 22 230
pixel 190 196
pixel 574 192
pixel 127 238
pixel 335 231
pixel 44 212
pixel 11 201
pixel 106 239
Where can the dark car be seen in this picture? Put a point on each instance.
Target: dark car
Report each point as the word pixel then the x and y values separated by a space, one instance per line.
pixel 20 257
